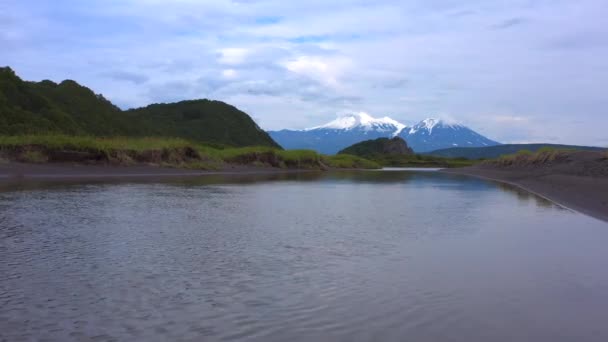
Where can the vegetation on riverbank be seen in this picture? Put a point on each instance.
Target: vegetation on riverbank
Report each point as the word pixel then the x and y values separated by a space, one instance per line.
pixel 421 160
pixel 553 161
pixel 492 152
pixel 172 152
pixel 396 153
pixel 346 161
pixel 543 156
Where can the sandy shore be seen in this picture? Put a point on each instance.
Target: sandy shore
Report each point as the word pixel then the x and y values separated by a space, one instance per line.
pixel 20 171
pixel 585 194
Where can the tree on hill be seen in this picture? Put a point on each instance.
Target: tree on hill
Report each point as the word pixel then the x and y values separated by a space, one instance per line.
pixel 69 108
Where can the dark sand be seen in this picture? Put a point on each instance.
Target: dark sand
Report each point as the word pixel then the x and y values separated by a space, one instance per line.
pixel 585 194
pixel 19 171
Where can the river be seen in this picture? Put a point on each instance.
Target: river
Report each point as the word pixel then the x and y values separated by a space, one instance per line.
pixel 335 256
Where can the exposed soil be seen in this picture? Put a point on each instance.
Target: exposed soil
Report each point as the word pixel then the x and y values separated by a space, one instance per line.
pixel 577 180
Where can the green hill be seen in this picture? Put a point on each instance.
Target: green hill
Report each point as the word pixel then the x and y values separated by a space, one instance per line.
pixel 378 147
pixel 395 152
pixel 491 152
pixel 69 108
pixel 201 120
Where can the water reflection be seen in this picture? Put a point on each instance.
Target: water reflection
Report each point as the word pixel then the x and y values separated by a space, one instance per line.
pixel 335 256
pixel 525 196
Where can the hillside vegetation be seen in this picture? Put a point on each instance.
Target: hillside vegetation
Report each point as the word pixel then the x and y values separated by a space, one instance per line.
pixel 553 161
pixel 395 152
pixel 491 152
pixel 167 152
pixel 377 147
pixel 69 108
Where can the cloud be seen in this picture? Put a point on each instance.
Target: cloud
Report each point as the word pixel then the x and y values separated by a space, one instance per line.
pixel 326 70
pixel 127 76
pixel 509 23
pixel 507 119
pixel 229 73
pixel 539 64
pixel 232 55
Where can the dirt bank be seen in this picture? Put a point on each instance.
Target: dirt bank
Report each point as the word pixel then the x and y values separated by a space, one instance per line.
pixel 577 180
pixel 69 171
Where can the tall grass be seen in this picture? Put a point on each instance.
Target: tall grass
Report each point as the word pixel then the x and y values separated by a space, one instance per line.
pixel 85 143
pixel 545 155
pixel 347 161
pixel 170 152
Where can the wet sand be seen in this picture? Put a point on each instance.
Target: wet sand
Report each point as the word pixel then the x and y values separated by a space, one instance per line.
pixel 20 171
pixel 585 194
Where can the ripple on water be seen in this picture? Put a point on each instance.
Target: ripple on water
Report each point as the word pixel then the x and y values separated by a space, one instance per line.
pixel 385 256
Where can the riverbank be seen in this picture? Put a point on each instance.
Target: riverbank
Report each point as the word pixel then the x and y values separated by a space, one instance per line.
pixel 65 171
pixel 576 180
pixel 26 154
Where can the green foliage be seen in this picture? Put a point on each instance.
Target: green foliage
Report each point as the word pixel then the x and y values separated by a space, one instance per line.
pixel 524 152
pixel 374 150
pixel 347 161
pixel 524 157
pixel 419 160
pixel 376 147
pixel 87 143
pixel 172 152
pixel 34 157
pixel 201 120
pixel 491 152
pixel 366 148
pixel 69 108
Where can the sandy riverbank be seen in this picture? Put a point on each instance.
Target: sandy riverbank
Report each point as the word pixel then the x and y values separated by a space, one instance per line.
pixel 585 194
pixel 22 171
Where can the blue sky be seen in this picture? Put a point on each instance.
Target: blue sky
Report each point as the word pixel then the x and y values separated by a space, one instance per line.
pixel 516 71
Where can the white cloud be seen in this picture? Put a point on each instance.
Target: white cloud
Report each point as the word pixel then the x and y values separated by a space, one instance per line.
pixel 232 55
pixel 229 73
pixel 508 119
pixel 326 70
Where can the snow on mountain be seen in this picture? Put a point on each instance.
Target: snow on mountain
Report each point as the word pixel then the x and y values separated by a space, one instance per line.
pixel 363 121
pixel 429 124
pixel 427 135
pixel 433 134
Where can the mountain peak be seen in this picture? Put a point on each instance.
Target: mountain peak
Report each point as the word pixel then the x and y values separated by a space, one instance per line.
pixel 429 123
pixel 364 121
pixel 427 135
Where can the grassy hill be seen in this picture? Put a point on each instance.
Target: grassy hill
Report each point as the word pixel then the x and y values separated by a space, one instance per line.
pixel 491 152
pixel 69 108
pixel 380 146
pixel 201 120
pixel 395 152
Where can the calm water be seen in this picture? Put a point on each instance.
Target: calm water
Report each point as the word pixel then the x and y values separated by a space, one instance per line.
pixel 367 256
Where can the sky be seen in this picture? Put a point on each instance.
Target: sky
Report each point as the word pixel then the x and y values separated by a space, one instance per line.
pixel 513 70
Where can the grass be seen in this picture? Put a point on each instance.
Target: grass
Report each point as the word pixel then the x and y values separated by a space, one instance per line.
pixel 85 143
pixel 164 151
pixel 420 160
pixel 35 157
pixel 347 161
pixel 545 155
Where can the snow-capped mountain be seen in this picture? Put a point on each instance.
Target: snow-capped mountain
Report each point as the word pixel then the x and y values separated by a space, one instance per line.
pixel 434 134
pixel 365 122
pixel 427 135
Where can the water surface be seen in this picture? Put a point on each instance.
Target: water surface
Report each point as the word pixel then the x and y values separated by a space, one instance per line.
pixel 363 256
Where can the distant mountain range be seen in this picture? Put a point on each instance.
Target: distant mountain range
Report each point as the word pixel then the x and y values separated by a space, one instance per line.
pixel 497 151
pixel 425 136
pixel 69 108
